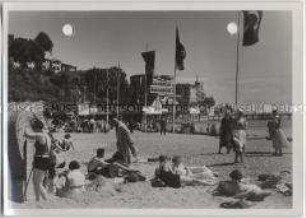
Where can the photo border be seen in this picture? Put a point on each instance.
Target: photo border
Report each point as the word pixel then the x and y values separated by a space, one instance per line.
pixel 125 5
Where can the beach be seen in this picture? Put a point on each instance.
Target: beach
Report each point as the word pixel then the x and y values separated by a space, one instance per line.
pixel 196 150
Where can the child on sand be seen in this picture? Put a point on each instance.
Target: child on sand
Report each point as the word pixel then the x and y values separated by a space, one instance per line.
pixel 74 181
pixel 164 175
pixel 98 165
pixel 67 144
pixel 163 166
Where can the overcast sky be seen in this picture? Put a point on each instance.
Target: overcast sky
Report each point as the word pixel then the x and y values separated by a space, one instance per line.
pixel 103 39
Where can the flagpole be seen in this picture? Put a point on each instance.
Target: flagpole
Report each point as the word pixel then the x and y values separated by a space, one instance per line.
pixel 146 91
pixel 237 59
pixel 118 89
pixel 107 100
pixel 174 87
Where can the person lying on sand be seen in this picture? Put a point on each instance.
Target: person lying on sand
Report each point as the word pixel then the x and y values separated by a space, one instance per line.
pixel 74 181
pixel 239 188
pixel 187 178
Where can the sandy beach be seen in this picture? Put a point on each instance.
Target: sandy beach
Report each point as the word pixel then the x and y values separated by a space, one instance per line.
pixel 197 150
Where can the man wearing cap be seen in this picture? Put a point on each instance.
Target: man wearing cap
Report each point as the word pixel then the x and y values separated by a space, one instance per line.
pixel 125 144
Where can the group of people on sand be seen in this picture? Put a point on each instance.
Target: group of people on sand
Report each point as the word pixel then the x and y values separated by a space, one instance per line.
pixel 170 172
pixel 233 133
pixel 173 173
pixel 48 149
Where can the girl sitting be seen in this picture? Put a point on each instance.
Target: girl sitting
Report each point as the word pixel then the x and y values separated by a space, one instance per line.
pixel 74 181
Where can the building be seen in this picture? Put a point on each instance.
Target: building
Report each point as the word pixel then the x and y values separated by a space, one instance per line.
pixel 183 91
pixel 138 88
pixel 58 66
pixel 197 93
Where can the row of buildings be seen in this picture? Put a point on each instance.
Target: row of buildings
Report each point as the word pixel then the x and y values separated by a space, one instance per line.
pixel 53 65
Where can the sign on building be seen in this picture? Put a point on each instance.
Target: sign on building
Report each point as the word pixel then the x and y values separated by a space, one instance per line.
pixel 83 109
pixel 162 89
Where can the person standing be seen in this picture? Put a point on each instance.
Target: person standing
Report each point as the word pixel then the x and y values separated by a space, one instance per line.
pixel 42 157
pixel 226 136
pixel 239 135
pixel 125 144
pixel 279 140
pixel 163 125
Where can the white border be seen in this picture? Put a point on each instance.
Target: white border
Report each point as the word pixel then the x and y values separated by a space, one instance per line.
pixel 173 5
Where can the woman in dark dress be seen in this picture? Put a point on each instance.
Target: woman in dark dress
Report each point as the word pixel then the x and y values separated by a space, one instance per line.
pixel 226 136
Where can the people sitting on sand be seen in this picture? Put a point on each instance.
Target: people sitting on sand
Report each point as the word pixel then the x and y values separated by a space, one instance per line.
pixel 163 166
pixel 74 181
pixel 239 188
pixel 188 178
pixel 98 165
pixel 164 176
pixel 178 174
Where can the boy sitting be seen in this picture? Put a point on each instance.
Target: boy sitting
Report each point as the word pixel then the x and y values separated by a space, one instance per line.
pixel 98 165
pixel 67 143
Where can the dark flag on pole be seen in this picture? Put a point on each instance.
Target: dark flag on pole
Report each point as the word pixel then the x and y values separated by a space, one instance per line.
pixel 149 59
pixel 251 25
pixel 180 53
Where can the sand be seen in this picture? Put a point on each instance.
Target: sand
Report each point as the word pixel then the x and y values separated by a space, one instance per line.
pixel 197 150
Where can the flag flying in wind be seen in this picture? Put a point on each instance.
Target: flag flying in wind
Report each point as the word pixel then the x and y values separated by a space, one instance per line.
pixel 149 59
pixel 251 25
pixel 180 53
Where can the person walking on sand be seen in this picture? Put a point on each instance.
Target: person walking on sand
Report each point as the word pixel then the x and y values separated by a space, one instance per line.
pixel 125 144
pixel 279 140
pixel 239 135
pixel 42 157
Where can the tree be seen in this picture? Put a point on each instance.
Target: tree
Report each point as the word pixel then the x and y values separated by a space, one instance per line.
pixel 44 41
pixel 209 102
pixel 28 50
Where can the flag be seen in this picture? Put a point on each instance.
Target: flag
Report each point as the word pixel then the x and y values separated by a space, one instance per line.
pixel 149 59
pixel 251 25
pixel 180 53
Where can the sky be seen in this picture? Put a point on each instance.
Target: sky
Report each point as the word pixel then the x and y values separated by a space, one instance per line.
pixel 104 39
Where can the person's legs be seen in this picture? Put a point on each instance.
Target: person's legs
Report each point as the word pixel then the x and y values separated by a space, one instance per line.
pixel 228 148
pixel 236 157
pixel 220 147
pixel 40 179
pixel 35 185
pixel 241 156
pixel 280 151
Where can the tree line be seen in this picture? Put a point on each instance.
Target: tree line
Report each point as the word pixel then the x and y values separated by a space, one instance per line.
pixel 37 83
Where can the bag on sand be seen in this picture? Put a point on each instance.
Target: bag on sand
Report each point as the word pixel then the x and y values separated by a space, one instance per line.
pixel 158 183
pixel 134 177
